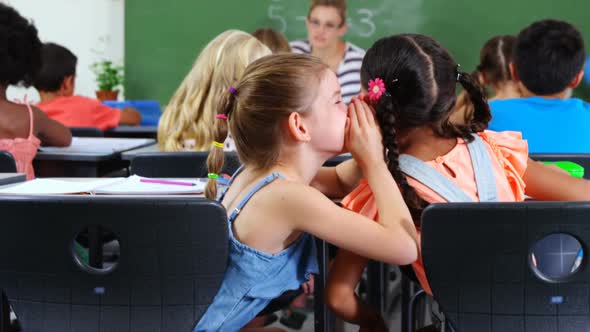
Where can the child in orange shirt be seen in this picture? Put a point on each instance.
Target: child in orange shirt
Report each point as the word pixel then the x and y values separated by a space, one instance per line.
pixel 22 127
pixel 56 81
pixel 411 81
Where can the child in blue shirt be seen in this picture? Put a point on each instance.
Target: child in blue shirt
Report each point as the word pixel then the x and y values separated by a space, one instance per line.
pixel 548 59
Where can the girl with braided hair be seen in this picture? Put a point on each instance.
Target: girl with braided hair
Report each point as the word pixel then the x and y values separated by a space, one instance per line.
pixel 411 81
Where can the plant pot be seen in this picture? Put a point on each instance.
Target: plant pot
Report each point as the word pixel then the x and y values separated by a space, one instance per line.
pixel 103 95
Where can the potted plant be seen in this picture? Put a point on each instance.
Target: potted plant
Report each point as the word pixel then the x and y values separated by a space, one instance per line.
pixel 108 77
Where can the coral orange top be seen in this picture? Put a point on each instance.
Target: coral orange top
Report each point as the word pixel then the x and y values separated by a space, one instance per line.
pixel 23 150
pixel 509 154
pixel 78 111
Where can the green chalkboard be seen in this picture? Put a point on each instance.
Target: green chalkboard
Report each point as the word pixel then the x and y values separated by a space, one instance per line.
pixel 163 38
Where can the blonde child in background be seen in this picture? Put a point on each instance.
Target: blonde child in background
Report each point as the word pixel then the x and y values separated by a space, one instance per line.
pixel 187 123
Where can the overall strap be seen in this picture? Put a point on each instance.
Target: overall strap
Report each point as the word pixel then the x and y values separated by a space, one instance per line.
pixel 484 173
pixel 431 178
pixel 231 180
pixel 270 178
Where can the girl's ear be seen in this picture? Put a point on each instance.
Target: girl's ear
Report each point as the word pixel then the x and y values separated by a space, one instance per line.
pixel 297 129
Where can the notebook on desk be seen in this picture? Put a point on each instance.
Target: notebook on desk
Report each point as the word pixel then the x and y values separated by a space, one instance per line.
pixel 99 145
pixel 133 185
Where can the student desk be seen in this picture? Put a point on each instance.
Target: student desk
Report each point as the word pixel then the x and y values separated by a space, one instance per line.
pixel 128 155
pixel 86 157
pixel 9 178
pixel 133 132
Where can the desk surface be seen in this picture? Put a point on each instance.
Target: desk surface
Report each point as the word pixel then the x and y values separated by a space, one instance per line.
pixel 9 178
pixel 93 149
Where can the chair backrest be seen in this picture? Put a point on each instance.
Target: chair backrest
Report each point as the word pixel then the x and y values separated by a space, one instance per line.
pixel 7 163
pixel 86 132
pixel 479 263
pixel 173 253
pixel 578 158
pixel 179 164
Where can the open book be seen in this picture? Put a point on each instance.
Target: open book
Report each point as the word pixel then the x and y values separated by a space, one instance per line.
pixel 133 185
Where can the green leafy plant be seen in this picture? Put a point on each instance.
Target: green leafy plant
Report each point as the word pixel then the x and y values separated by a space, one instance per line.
pixel 108 76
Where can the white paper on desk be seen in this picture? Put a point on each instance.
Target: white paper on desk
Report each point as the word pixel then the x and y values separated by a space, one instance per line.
pixel 107 186
pixel 133 186
pixel 56 187
pixel 99 145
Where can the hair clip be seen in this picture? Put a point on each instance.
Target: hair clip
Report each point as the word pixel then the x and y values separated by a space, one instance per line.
pixel 221 116
pixel 218 145
pixel 213 176
pixel 376 89
pixel 458 72
pixel 233 90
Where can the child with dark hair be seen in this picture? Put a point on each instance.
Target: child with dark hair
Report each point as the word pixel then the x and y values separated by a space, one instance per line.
pixel 56 81
pixel 548 60
pixel 411 81
pixel 274 40
pixel 493 71
pixel 22 127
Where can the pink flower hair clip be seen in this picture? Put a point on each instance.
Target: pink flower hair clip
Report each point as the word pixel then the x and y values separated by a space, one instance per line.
pixel 376 89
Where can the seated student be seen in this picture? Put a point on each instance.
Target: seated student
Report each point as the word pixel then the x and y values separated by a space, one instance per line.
pixel 326 25
pixel 56 82
pixel 187 123
pixel 548 59
pixel 433 159
pixel 493 71
pixel 287 117
pixel 276 41
pixel 22 127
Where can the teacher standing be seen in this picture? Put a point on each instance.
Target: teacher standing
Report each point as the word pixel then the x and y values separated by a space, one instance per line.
pixel 326 25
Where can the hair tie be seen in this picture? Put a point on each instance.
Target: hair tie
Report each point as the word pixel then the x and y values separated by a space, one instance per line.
pixel 458 72
pixel 218 145
pixel 233 90
pixel 213 176
pixel 221 116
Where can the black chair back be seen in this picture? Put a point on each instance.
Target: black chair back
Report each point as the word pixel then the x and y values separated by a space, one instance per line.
pixel 481 260
pixel 7 163
pixel 179 164
pixel 86 132
pixel 172 258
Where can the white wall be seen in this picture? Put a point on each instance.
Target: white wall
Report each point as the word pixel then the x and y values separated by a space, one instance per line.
pixel 91 29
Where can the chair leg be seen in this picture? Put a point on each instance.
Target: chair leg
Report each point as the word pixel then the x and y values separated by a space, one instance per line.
pixel 411 318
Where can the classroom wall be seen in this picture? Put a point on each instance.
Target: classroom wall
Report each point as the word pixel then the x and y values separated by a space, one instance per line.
pixel 91 29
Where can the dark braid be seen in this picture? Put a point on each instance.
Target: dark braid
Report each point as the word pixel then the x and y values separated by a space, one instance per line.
pixel 481 109
pixel 386 115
